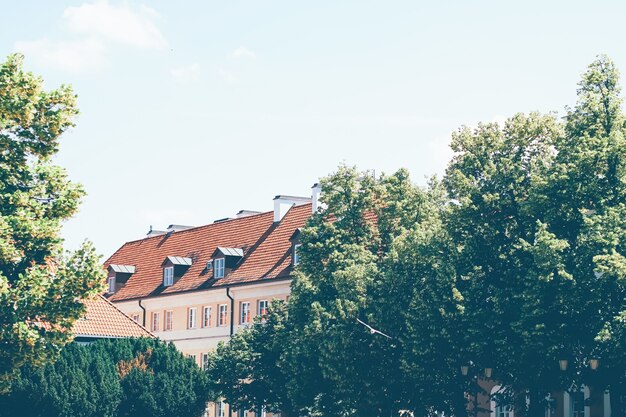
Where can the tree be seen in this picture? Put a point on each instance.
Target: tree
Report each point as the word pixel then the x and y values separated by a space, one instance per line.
pixel 40 288
pixel 246 371
pixel 365 257
pixel 538 203
pixel 111 378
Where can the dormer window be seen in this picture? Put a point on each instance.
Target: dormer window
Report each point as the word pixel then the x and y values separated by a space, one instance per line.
pixel 117 276
pixel 112 284
pixel 174 267
pixel 168 276
pixel 295 247
pixel 218 270
pixel 225 259
pixel 296 254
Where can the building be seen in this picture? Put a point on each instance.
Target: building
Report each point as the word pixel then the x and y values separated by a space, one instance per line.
pixel 102 320
pixel 195 286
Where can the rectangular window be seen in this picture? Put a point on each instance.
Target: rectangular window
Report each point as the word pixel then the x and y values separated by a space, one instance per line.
pixel 169 319
pixel 245 312
pixel 155 322
pixel 218 268
pixel 221 409
pixel 296 254
pixel 191 318
pixel 223 315
pixel 168 276
pixel 205 361
pixel 112 284
pixel 136 318
pixel 206 316
pixel 241 413
pixel 263 304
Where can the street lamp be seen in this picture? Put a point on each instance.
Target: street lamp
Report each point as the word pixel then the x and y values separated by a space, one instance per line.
pixel 594 363
pixel 464 370
pixel 563 364
pixel 488 372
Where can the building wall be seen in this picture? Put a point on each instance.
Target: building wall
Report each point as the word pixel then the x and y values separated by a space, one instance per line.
pixel 199 340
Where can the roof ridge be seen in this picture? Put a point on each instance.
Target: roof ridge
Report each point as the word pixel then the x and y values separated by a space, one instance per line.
pixel 126 315
pixel 178 233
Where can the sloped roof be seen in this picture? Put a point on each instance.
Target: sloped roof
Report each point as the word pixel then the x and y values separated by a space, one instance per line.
pixel 103 320
pixel 266 246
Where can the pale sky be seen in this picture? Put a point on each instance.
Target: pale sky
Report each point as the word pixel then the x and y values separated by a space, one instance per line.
pixel 194 110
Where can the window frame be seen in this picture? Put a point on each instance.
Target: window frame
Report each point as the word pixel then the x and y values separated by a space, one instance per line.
pixel 168 279
pixel 295 257
pixel 260 310
pixel 192 316
pixel 111 279
pixel 222 323
pixel 168 320
pixel 245 316
pixel 135 318
pixel 206 319
pixel 204 361
pixel 219 267
pixel 220 409
pixel 155 321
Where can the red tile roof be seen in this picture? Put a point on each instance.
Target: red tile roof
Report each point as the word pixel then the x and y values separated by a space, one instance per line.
pixel 103 320
pixel 266 246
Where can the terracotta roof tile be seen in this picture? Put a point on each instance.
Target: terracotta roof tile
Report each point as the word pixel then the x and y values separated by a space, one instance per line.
pixel 103 319
pixel 266 247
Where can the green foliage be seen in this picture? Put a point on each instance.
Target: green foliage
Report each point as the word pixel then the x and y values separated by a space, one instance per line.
pixel 244 370
pixel 515 260
pixel 110 378
pixel 40 288
pixel 540 228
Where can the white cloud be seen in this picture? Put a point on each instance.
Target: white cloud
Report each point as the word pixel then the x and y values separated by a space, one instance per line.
pixel 119 23
pixel 186 73
pixel 243 52
pixel 72 56
pixel 226 75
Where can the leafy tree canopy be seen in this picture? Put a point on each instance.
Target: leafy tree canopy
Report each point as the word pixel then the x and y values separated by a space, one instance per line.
pixel 111 378
pixel 40 288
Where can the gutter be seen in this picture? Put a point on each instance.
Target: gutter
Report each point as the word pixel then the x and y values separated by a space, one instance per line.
pixel 144 313
pixel 232 311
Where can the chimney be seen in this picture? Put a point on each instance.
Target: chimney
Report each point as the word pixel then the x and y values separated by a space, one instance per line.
pixel 316 190
pixel 282 204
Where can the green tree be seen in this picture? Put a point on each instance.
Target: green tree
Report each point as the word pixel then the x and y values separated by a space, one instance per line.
pixel 536 222
pixel 110 378
pixel 246 371
pixel 40 288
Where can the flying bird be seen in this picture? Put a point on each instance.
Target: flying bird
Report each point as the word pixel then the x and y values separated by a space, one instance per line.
pixel 373 330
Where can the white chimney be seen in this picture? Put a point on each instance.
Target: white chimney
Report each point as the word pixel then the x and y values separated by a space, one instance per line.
pixel 282 204
pixel 316 190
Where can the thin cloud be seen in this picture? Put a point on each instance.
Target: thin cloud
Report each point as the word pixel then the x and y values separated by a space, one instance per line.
pixel 119 23
pixel 95 26
pixel 243 52
pixel 72 56
pixel 186 73
pixel 226 75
